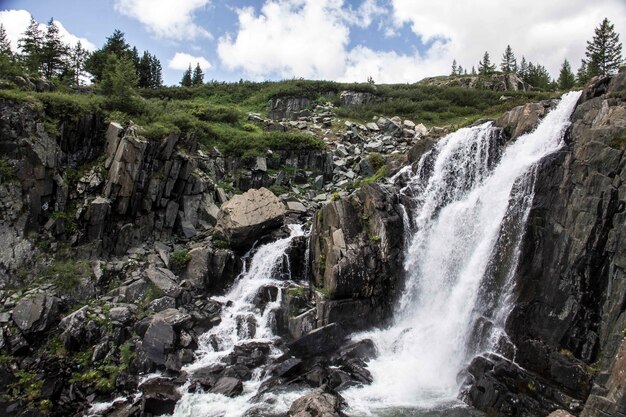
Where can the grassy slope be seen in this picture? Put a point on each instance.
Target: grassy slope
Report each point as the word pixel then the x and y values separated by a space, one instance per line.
pixel 217 112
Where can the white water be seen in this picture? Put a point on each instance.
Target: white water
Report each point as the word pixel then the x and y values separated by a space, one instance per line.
pixel 469 211
pixel 221 340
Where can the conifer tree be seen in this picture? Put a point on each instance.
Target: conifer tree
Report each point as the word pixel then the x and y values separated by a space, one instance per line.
pixel 155 72
pixel 454 68
pixel 186 81
pixel 473 70
pixel 77 57
pixel 115 45
pixel 523 68
pixel 5 45
pixel 485 67
pixel 566 80
pixel 53 52
pixel 460 70
pixel 31 45
pixel 604 51
pixel 198 76
pixel 509 63
pixel 582 75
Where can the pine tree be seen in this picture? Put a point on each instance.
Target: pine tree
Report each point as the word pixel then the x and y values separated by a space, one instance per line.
pixel 604 51
pixel 460 70
pixel 156 80
pixel 509 63
pixel 454 68
pixel 31 45
pixel 5 45
pixel 115 45
pixel 119 77
pixel 485 67
pixel 523 69
pixel 198 76
pixel 566 80
pixel 77 57
pixel 54 51
pixel 144 70
pixel 582 75
pixel 186 81
pixel 473 70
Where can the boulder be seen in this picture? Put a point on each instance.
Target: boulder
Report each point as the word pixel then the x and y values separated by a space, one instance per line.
pixel 228 386
pixel 159 341
pixel 246 217
pixel 164 279
pixel 36 313
pixel 523 119
pixel 160 396
pixel 318 341
pixel 318 403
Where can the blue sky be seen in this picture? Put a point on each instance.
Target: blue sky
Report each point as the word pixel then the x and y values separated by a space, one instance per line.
pixel 349 40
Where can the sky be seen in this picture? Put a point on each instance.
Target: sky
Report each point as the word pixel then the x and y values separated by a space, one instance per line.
pixel 392 41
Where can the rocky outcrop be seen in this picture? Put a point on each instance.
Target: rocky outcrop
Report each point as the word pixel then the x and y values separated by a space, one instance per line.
pixel 568 320
pixel 356 98
pixel 287 108
pixel 356 257
pixel 244 218
pixel 523 119
pixel 495 82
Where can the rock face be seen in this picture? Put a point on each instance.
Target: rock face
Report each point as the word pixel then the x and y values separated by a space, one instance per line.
pixel 244 218
pixel 356 257
pixel 495 82
pixel 524 119
pixel 569 314
pixel 287 108
pixel 356 98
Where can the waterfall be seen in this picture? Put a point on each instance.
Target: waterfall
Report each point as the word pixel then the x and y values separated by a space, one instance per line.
pixel 469 205
pixel 243 321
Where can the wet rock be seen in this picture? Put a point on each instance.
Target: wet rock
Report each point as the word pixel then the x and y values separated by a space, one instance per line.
pixel 159 340
pixel 160 396
pixel 318 341
pixel 245 217
pixel 228 386
pixel 318 403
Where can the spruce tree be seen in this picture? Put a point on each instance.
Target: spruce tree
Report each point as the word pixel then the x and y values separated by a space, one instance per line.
pixel 523 69
pixel 566 80
pixel 473 70
pixel 54 51
pixel 156 80
pixel 485 67
pixel 509 63
pixel 144 70
pixel 119 77
pixel 186 81
pixel 5 45
pixel 198 76
pixel 454 68
pixel 115 45
pixel 77 57
pixel 31 45
pixel 604 51
pixel 582 75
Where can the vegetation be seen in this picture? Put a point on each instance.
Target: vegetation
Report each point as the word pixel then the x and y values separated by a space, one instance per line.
pixel 567 79
pixel 179 259
pixel 66 273
pixel 604 51
pixel 509 63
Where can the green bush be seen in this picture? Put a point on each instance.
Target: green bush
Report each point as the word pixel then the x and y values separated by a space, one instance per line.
pixel 7 172
pixel 179 259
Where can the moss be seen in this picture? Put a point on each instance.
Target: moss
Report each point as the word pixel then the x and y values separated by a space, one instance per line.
pixel 152 293
pixel 179 259
pixel 376 161
pixel 7 171
pixel 297 291
pixel 278 189
pixel 324 292
pixel 335 196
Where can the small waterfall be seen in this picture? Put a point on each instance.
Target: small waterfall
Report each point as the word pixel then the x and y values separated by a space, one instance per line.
pixel 243 321
pixel 469 202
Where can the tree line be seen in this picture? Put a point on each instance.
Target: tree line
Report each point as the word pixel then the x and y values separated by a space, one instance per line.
pixel 603 56
pixel 42 53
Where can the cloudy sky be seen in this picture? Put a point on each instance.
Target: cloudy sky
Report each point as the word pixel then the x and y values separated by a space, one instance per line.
pixel 347 40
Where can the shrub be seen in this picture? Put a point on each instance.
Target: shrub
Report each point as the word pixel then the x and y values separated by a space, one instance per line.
pixel 179 259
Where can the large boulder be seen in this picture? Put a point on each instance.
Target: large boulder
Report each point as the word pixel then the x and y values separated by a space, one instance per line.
pixel 523 119
pixel 36 313
pixel 318 403
pixel 246 217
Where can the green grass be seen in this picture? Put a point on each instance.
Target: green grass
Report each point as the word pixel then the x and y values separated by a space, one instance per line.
pixel 179 259
pixel 66 273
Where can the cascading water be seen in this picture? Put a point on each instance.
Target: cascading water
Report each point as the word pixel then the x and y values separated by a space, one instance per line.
pixel 469 205
pixel 242 322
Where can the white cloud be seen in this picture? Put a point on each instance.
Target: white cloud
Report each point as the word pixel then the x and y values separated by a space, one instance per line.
pixel 289 38
pixel 15 23
pixel 181 61
pixel 166 18
pixel 544 31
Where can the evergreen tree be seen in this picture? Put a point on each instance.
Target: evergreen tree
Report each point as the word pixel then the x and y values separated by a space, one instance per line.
pixel 538 76
pixel 5 45
pixel 509 63
pixel 454 68
pixel 566 80
pixel 523 69
pixel 582 75
pixel 473 70
pixel 77 57
pixel 119 77
pixel 460 70
pixel 31 45
pixel 53 52
pixel 115 45
pixel 186 81
pixel 155 72
pixel 485 67
pixel 604 51
pixel 198 76
pixel 144 70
